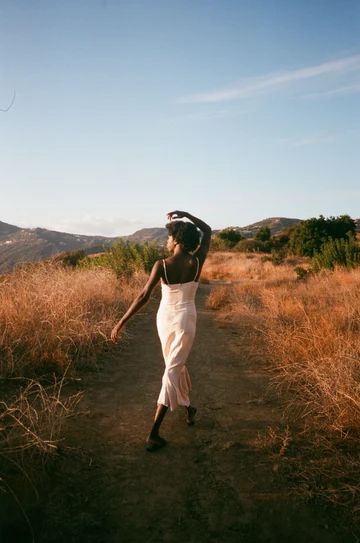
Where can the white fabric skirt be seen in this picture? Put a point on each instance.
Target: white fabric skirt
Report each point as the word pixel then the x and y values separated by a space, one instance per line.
pixel 176 325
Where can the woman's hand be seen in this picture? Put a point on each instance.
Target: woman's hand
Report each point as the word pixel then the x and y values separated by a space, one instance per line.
pixel 177 214
pixel 115 331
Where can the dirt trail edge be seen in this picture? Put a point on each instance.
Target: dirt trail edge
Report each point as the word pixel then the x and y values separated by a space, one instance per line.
pixel 210 484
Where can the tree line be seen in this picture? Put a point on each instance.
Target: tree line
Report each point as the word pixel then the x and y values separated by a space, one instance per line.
pixel 327 241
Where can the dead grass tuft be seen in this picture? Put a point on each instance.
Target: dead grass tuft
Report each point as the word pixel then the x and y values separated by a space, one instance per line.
pixel 33 419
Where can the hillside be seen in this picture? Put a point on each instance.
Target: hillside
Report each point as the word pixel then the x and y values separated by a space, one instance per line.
pixel 147 235
pixel 276 225
pixel 18 245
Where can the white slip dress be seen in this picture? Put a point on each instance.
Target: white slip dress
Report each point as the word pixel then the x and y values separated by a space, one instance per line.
pixel 176 325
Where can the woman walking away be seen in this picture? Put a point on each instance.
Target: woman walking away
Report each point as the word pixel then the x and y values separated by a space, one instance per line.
pixel 176 316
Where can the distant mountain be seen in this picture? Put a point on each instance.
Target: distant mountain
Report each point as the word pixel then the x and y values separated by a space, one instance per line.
pixel 18 245
pixel 7 228
pixel 147 235
pixel 276 225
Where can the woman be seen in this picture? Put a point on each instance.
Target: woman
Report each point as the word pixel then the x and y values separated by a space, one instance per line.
pixel 176 316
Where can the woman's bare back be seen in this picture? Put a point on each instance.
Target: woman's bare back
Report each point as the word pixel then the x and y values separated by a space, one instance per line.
pixel 181 269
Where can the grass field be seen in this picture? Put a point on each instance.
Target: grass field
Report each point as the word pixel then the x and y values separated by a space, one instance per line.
pixel 307 332
pixel 53 320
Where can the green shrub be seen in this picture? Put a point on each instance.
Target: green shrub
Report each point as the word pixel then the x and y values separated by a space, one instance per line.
pixel 263 234
pixel 151 253
pixel 125 258
pixel 301 272
pixel 337 252
pixel 72 258
pixel 227 238
pixel 265 258
pixel 309 236
pixel 277 258
pixel 253 246
pixel 218 244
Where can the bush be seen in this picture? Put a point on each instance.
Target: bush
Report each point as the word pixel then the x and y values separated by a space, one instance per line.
pixel 308 237
pixel 72 258
pixel 280 242
pixel 263 234
pixel 218 244
pixel 253 246
pixel 337 252
pixel 228 237
pixel 300 272
pixel 277 258
pixel 126 258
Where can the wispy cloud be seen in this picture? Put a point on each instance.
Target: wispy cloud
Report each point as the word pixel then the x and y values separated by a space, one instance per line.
pixel 209 115
pixel 346 89
pixel 250 86
pixel 312 139
pixel 201 116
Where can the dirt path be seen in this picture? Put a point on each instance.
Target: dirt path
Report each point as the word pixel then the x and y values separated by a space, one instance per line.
pixel 210 484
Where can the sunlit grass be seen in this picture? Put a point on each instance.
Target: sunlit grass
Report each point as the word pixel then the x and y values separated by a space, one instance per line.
pixel 51 315
pixel 308 336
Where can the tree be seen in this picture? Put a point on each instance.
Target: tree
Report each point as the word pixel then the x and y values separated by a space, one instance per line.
pixel 337 252
pixel 229 236
pixel 308 237
pixel 263 234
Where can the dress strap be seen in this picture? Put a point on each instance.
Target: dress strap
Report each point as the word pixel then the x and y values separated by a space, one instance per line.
pixel 197 269
pixel 166 277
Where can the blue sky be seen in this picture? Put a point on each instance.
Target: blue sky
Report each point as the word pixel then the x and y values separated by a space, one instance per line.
pixel 233 110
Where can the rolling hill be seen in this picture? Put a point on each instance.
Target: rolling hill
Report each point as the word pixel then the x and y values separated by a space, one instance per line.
pixel 19 245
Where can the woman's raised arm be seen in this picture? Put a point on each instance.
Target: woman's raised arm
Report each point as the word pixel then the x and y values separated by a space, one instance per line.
pixel 205 228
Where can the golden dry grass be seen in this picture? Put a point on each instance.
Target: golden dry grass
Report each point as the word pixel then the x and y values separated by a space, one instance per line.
pixel 33 419
pixel 227 266
pixel 308 334
pixel 51 315
pixel 51 319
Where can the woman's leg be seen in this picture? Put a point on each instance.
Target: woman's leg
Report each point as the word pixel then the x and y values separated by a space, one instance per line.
pixel 159 417
pixel 191 412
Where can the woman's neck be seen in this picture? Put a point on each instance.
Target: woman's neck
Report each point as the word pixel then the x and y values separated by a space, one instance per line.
pixel 179 251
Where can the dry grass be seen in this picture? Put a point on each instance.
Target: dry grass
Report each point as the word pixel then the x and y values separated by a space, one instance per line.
pixel 236 267
pixel 31 423
pixel 311 344
pixel 51 319
pixel 312 332
pixel 33 419
pixel 51 315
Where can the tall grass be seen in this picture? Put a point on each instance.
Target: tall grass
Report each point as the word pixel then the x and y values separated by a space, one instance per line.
pixel 312 331
pixel 238 267
pixel 51 315
pixel 52 319
pixel 308 335
pixel 33 419
pixel 312 336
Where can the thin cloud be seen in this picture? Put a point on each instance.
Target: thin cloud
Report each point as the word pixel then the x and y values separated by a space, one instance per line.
pixel 312 139
pixel 273 81
pixel 201 116
pixel 346 89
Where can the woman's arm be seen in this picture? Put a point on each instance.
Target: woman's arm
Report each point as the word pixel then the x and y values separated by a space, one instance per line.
pixel 140 300
pixel 205 228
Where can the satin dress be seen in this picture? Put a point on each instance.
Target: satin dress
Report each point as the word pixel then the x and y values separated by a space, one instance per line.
pixel 176 325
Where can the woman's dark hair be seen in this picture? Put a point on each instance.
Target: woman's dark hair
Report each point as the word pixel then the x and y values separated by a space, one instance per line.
pixel 184 233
